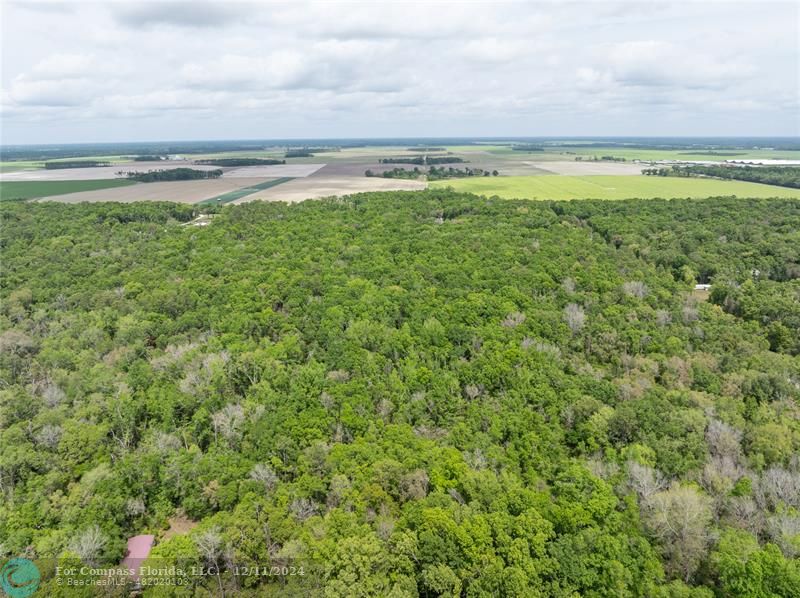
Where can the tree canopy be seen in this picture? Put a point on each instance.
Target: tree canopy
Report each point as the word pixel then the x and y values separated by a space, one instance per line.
pixel 408 393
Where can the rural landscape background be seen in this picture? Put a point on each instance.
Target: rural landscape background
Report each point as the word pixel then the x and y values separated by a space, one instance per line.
pixel 411 299
pixel 531 168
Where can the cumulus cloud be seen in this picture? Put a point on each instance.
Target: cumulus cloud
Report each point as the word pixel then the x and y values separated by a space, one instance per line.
pixel 42 7
pixel 50 92
pixel 661 64
pixel 281 69
pixel 176 13
pixel 494 50
pixel 65 65
pixel 307 69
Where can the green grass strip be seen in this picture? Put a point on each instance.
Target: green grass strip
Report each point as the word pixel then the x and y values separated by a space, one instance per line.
pixel 243 192
pixel 10 190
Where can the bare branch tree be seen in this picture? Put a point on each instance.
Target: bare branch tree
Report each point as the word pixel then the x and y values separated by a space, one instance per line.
pixel 575 317
pixel 88 545
pixel 228 423
pixel 679 518
pixel 49 436
pixel 644 480
pixel 513 319
pixel 209 544
pixel 723 440
pixel 264 474
pixel 303 508
pixel 635 288
pixel 414 485
pixel 778 485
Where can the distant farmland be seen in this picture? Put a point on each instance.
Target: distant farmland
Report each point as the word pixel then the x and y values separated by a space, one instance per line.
pixel 610 187
pixel 32 189
pixel 244 191
pixel 337 173
pixel 178 191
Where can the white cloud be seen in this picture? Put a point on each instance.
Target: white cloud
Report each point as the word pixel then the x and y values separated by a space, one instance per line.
pixel 493 50
pixel 50 92
pixel 661 64
pixel 65 66
pixel 177 13
pixel 282 69
pixel 304 69
pixel 591 79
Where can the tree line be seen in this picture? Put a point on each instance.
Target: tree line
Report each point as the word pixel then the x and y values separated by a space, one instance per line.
pixel 782 176
pixel 423 160
pixel 74 164
pixel 432 174
pixel 240 162
pixel 171 174
pixel 149 158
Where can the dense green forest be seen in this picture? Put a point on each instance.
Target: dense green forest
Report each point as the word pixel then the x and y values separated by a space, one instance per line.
pixel 408 394
pixel 172 174
pixel 783 176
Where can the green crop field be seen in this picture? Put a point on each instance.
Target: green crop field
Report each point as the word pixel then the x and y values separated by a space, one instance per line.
pixel 244 191
pixel 15 165
pixel 610 187
pixel 32 189
pixel 20 165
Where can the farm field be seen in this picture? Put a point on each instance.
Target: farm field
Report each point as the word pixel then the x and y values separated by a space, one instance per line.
pixel 585 168
pixel 244 191
pixel 657 154
pixel 177 191
pixel 35 189
pixel 17 165
pixel 271 170
pixel 317 186
pixel 555 151
pixel 508 159
pixel 551 174
pixel 610 187
pixel 20 165
pixel 558 150
pixel 97 172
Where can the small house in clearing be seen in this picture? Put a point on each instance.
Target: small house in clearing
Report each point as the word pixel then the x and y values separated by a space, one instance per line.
pixel 139 548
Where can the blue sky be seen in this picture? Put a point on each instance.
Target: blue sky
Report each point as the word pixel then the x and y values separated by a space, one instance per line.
pixel 119 71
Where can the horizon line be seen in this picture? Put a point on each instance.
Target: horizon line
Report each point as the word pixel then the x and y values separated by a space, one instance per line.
pixel 411 138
